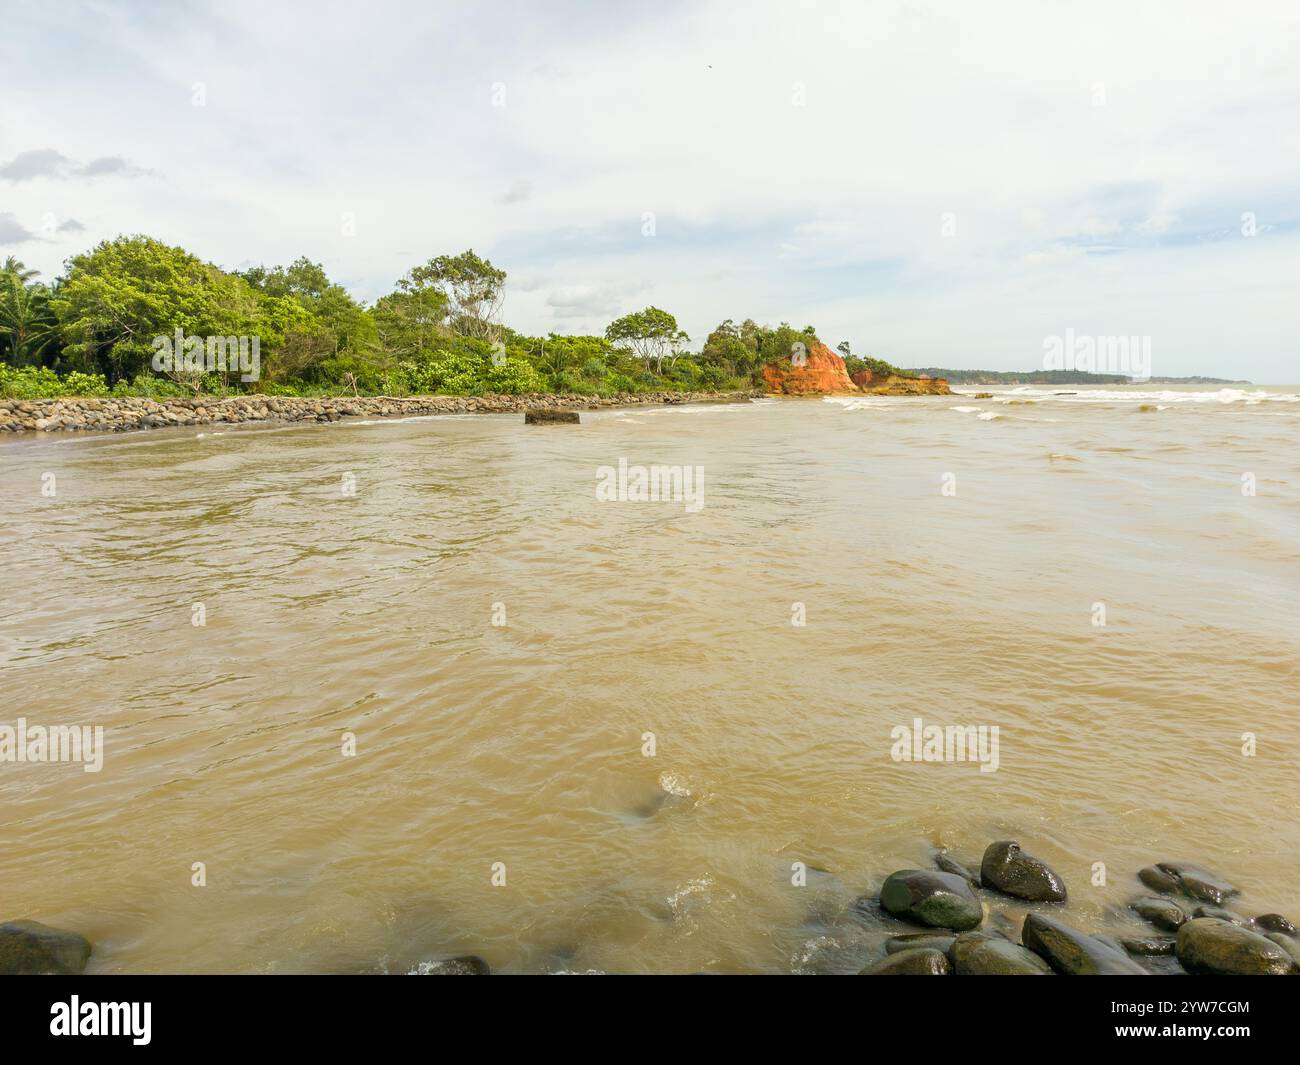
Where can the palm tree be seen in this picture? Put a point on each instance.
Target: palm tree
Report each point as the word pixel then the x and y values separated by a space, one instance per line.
pixel 18 268
pixel 27 322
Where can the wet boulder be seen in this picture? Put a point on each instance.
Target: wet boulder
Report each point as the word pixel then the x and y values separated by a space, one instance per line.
pixel 1221 914
pixel 910 963
pixel 28 948
pixel 1072 953
pixel 1274 922
pixel 939 900
pixel 919 941
pixel 1198 883
pixel 1150 947
pixel 1287 943
pixel 950 864
pixel 1159 881
pixel 551 417
pixel 1010 870
pixel 1165 915
pixel 1210 945
pixel 982 954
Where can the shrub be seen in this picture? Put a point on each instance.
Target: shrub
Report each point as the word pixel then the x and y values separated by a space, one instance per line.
pixel 515 377
pixel 41 382
pixel 151 387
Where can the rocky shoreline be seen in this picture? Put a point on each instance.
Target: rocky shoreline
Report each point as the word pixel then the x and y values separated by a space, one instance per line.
pixel 1189 929
pixel 127 414
pixel 946 922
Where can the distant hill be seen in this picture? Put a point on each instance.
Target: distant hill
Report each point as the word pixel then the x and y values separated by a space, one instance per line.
pixel 1196 381
pixel 1056 377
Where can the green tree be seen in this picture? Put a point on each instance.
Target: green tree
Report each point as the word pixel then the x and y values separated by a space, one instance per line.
pixel 19 269
pixel 340 324
pixel 29 330
pixel 471 286
pixel 410 320
pixel 732 349
pixel 118 297
pixel 652 334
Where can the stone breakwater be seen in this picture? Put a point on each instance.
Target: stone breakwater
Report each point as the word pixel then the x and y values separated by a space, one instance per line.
pixel 118 415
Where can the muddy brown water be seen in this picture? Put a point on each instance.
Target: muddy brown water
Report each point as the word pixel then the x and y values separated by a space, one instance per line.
pixel 519 747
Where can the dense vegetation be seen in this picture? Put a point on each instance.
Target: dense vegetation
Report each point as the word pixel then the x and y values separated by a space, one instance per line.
pixel 93 330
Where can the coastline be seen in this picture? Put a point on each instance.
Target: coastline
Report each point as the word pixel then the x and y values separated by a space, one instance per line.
pixel 1005 915
pixel 130 413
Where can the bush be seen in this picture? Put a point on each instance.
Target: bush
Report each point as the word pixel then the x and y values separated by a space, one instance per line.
pixel 713 377
pixel 370 377
pixel 40 382
pixel 150 387
pixel 515 377
pixel 620 382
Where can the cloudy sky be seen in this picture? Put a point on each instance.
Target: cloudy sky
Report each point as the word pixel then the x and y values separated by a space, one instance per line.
pixel 939 183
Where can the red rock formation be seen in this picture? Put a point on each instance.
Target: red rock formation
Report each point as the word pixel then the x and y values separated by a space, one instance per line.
pixel 822 373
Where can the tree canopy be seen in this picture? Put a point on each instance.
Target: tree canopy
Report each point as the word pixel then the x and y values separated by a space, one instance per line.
pixel 94 328
pixel 652 334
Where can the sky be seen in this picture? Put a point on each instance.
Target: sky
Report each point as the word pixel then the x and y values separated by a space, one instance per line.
pixel 938 183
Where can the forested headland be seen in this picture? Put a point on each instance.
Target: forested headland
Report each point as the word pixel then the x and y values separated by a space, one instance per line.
pixel 95 330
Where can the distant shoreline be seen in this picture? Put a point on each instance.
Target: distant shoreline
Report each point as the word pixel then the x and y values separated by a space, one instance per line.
pixel 1060 377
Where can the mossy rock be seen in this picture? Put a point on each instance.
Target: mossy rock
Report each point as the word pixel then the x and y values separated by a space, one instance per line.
pixel 29 948
pixel 939 900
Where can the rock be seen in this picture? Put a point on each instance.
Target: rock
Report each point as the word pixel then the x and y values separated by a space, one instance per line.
pixel 30 948
pixel 1158 880
pixel 897 385
pixel 1274 922
pixel 982 954
pixel 910 963
pixel 814 371
pixel 1287 943
pixel 1071 952
pixel 1210 945
pixel 1009 870
pixel 940 900
pixel 950 864
pixel 1221 914
pixel 465 965
pixel 918 941
pixel 1197 883
pixel 1162 913
pixel 551 417
pixel 1152 947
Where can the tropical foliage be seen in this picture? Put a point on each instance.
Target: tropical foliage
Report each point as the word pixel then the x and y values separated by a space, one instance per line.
pixel 95 330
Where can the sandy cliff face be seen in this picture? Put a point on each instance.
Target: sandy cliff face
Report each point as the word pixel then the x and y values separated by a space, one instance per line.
pixel 822 374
